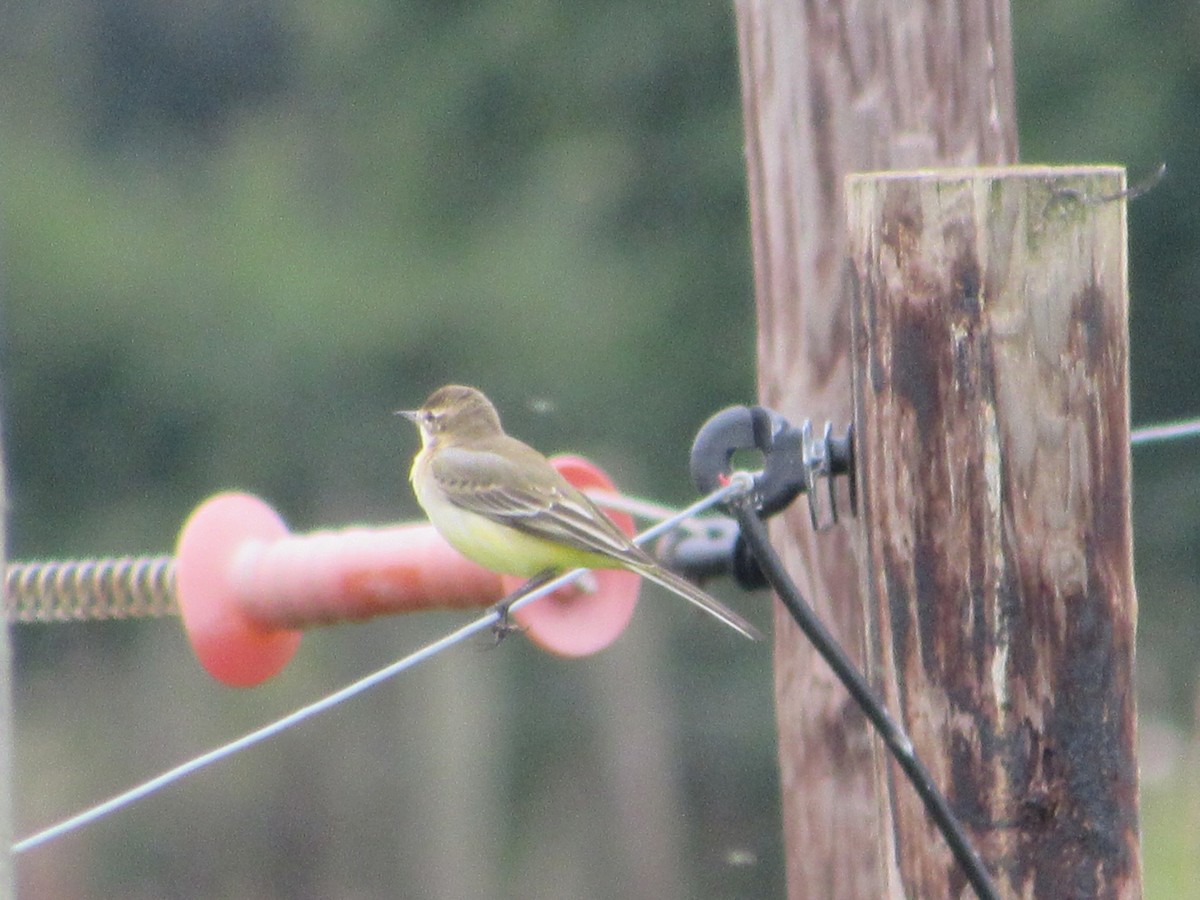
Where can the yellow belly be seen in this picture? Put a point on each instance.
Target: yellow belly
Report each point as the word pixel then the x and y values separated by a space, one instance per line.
pixel 491 545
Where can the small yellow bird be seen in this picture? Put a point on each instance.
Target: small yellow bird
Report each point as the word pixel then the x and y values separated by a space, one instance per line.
pixel 503 505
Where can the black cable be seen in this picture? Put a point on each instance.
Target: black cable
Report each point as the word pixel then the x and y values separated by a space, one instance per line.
pixel 755 534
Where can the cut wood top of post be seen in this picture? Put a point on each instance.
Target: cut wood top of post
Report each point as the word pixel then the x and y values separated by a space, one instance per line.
pixel 993 172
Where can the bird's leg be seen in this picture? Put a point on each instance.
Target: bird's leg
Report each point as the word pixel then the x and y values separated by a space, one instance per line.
pixel 504 626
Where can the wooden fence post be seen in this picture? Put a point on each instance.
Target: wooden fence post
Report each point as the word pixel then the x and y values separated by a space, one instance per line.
pixel 7 876
pixel 992 415
pixel 831 87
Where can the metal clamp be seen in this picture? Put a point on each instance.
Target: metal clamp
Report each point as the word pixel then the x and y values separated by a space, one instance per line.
pixel 794 460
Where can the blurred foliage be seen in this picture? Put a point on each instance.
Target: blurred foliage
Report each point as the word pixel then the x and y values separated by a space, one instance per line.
pixel 237 235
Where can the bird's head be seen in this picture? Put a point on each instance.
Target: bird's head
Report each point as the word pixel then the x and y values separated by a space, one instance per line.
pixel 452 414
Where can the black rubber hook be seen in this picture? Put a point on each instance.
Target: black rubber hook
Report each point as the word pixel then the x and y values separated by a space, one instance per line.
pixel 793 461
pixel 790 463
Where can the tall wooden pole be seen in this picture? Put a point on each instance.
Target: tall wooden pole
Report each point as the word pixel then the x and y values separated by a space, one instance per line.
pixel 7 877
pixel 831 87
pixel 992 445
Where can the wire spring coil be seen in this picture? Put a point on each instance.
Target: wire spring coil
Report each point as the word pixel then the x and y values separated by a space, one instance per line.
pixel 74 590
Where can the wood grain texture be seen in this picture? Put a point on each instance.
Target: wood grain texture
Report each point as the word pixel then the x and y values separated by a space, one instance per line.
pixel 831 87
pixel 992 408
pixel 7 874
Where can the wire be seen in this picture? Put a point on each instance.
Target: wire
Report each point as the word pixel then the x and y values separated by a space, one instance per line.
pixel 146 788
pixel 755 534
pixel 1168 431
pixel 740 484
pixel 644 509
pixel 74 590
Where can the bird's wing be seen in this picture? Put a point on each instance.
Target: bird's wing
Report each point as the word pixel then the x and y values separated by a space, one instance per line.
pixel 536 500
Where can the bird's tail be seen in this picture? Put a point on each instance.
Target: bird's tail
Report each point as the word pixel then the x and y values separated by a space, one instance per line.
pixel 691 593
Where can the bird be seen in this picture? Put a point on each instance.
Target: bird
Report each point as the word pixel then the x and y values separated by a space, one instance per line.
pixel 501 504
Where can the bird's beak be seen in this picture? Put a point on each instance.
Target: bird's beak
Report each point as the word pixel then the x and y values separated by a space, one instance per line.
pixel 413 415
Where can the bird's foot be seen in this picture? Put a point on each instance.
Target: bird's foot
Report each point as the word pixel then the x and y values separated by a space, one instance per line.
pixel 504 625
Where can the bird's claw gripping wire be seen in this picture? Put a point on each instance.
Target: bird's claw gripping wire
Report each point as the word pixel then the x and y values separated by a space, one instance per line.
pixel 504 625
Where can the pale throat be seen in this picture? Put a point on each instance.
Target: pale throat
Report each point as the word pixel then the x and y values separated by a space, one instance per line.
pixel 428 439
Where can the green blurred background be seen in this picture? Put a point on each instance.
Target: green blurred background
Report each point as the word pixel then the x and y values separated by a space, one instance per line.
pixel 234 236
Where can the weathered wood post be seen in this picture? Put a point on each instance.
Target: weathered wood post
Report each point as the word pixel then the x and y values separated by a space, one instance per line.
pixel 992 415
pixel 7 877
pixel 831 87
